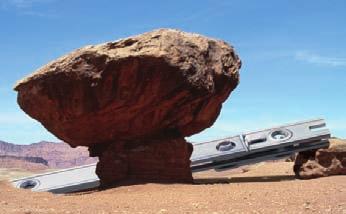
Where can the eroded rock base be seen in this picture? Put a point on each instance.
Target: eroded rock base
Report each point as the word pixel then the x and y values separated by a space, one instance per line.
pixel 322 162
pixel 144 161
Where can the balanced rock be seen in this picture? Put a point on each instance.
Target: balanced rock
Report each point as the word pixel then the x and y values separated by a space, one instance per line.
pixel 322 162
pixel 134 100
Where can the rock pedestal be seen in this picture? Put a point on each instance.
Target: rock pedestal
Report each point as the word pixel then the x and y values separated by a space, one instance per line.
pixel 147 160
pixel 134 100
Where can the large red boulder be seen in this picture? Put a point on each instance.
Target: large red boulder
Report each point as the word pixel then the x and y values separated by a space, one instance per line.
pixel 156 87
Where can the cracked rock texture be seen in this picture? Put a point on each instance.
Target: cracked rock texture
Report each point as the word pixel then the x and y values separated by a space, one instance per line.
pixel 142 91
pixel 322 162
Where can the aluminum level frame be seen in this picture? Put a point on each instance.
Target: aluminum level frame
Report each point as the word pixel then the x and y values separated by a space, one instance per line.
pixel 260 145
pixel 230 152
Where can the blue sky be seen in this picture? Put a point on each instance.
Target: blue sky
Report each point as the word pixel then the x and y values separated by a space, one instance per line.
pixel 293 54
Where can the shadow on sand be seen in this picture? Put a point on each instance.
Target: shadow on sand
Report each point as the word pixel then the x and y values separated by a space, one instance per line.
pixel 226 180
pixel 204 181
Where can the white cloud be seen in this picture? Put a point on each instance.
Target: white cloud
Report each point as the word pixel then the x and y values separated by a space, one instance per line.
pixel 26 7
pixel 313 58
pixel 24 3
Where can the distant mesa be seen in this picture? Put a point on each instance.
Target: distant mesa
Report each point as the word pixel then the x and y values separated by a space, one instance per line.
pixel 43 155
pixel 27 163
pixel 132 101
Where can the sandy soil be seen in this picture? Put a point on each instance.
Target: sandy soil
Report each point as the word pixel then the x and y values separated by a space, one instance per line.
pixel 262 188
pixel 8 174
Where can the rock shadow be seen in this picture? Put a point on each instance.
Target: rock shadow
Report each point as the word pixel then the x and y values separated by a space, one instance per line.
pixel 226 180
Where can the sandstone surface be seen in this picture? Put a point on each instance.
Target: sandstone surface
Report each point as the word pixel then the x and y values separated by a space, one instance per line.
pixel 155 88
pixel 323 162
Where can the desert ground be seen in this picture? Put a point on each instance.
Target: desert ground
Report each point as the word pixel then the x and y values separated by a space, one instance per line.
pixel 7 174
pixel 268 187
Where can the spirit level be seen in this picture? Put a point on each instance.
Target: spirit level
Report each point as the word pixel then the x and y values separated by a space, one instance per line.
pixel 230 152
